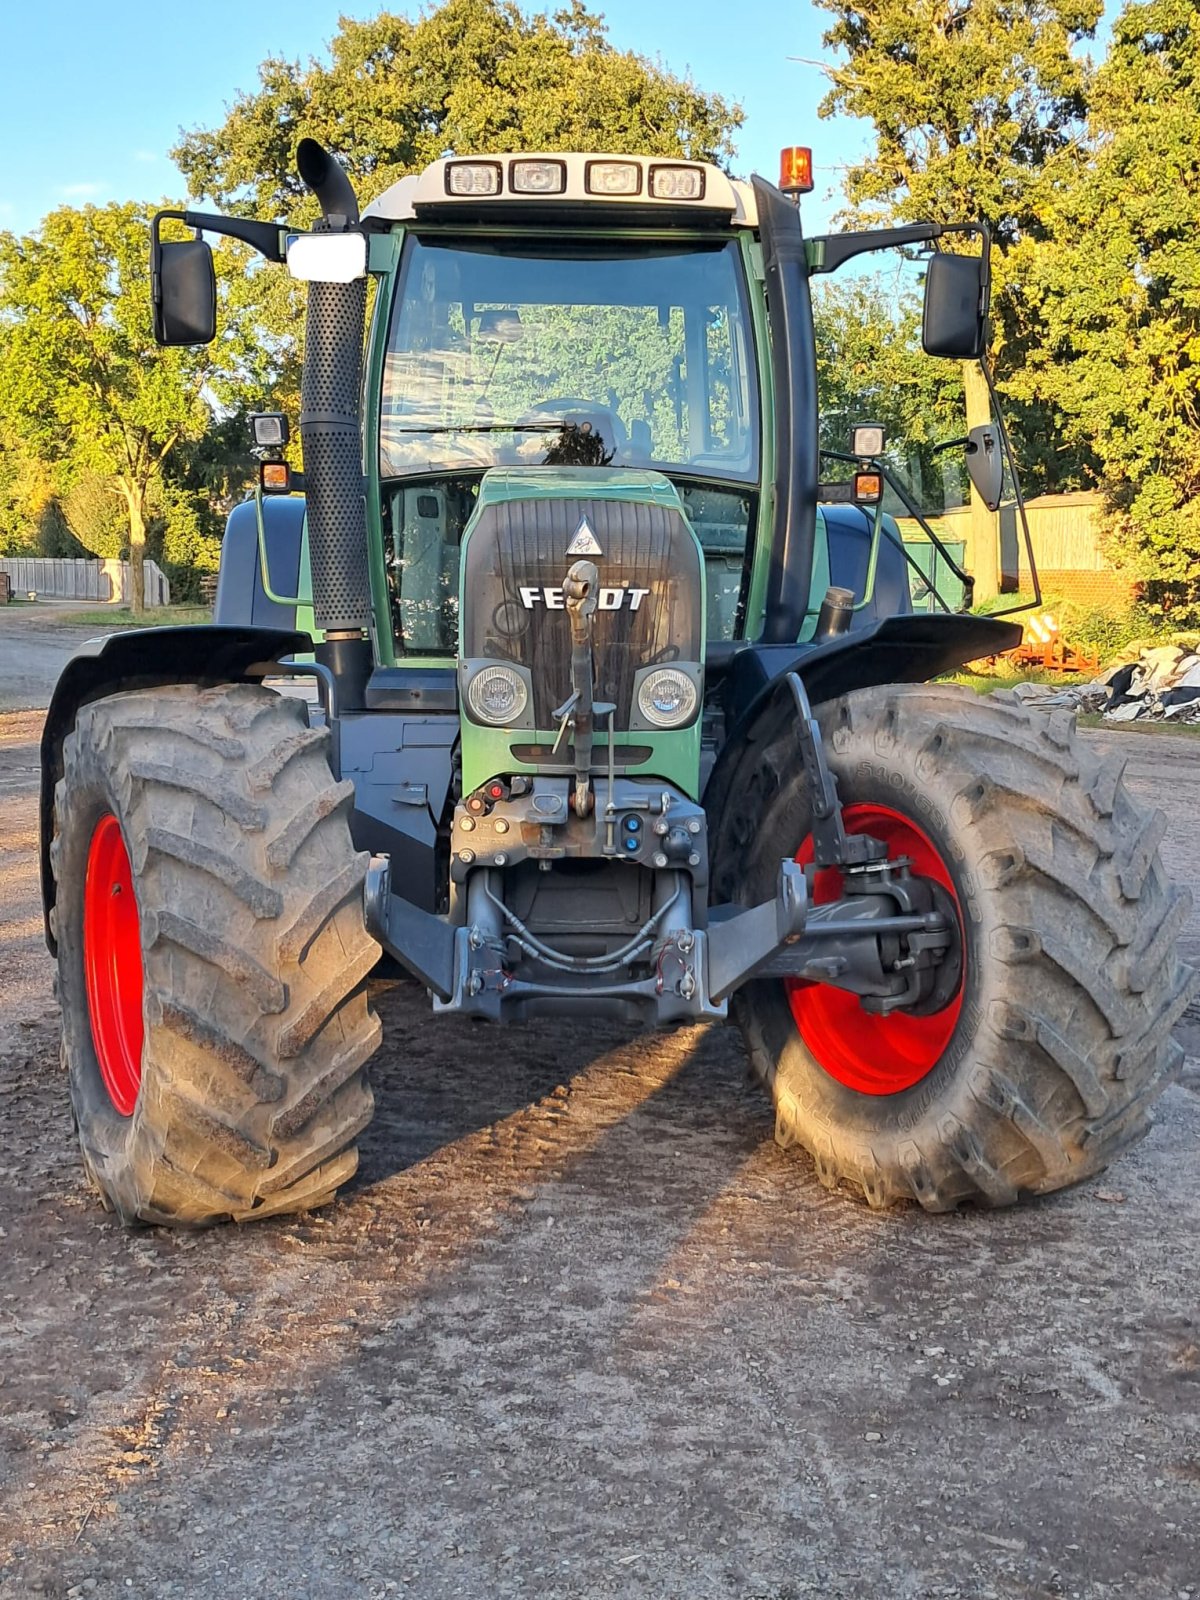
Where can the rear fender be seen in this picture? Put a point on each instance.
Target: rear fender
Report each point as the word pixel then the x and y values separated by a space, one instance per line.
pixel 899 649
pixel 140 659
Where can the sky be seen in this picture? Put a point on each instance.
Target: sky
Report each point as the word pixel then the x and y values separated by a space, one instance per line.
pixel 92 97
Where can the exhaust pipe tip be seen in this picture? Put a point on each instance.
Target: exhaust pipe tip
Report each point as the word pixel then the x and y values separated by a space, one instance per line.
pixel 327 179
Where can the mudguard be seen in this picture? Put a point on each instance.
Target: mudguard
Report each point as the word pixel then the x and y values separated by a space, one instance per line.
pixel 139 659
pixel 898 649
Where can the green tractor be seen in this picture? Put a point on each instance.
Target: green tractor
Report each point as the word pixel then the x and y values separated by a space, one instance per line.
pixel 621 709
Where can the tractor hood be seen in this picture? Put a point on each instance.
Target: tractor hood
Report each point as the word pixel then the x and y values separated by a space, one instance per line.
pixel 529 528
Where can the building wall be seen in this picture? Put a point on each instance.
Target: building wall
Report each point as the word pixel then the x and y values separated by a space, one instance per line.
pixel 1065 530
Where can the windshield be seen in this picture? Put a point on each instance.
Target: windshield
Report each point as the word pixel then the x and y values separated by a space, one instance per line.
pixel 581 354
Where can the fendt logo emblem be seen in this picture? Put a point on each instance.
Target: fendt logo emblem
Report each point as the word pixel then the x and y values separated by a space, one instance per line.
pixel 551 596
pixel 585 542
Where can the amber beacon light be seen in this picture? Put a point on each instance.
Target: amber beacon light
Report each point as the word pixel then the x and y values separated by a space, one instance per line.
pixel 796 169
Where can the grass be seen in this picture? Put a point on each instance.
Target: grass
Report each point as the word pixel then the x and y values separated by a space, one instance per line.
pixel 152 617
pixel 1008 678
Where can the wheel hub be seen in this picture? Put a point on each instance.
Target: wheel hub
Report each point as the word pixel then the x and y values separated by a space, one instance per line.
pixel 879 1054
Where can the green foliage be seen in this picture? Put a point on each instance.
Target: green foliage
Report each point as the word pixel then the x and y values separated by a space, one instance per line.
pixel 1118 291
pixel 93 511
pixel 1106 633
pixel 468 76
pixel 871 368
pixel 970 102
pixel 185 549
pixel 99 412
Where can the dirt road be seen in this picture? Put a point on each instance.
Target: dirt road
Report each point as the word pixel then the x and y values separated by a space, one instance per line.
pixel 580 1329
pixel 35 644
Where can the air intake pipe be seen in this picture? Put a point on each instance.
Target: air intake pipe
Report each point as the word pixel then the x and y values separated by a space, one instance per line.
pixel 331 435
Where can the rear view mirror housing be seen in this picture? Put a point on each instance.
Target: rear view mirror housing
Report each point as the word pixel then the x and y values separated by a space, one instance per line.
pixel 955 319
pixel 183 290
pixel 985 464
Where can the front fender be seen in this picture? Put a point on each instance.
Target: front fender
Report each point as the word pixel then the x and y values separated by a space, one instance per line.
pixel 901 649
pixel 139 659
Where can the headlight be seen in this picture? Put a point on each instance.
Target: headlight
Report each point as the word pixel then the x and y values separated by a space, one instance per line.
pixel 497 695
pixel 667 698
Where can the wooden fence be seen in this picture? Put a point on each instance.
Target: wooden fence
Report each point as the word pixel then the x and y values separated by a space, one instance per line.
pixel 105 582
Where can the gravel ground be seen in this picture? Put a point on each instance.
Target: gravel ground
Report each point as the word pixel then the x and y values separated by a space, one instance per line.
pixel 36 641
pixel 580 1329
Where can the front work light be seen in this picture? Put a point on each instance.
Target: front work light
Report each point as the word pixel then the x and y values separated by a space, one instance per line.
pixel 796 169
pixel 667 698
pixel 613 177
pixel 497 695
pixel 867 440
pixel 269 430
pixel 677 183
pixel 537 177
pixel 473 178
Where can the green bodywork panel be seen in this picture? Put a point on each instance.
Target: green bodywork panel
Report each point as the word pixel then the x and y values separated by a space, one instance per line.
pixel 487 752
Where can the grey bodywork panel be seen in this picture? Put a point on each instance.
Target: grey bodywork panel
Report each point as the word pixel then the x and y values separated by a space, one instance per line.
pixel 401 767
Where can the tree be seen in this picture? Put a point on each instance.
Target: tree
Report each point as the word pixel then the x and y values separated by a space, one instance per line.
pixel 871 368
pixel 82 383
pixel 471 75
pixel 1118 290
pixel 970 101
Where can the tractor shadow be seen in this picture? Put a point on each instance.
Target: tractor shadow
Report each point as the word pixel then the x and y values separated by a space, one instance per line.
pixel 441 1082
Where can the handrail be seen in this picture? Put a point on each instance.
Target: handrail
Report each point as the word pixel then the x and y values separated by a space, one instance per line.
pixel 278 599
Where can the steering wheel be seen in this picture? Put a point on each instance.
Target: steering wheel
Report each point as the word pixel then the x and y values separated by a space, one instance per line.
pixel 604 419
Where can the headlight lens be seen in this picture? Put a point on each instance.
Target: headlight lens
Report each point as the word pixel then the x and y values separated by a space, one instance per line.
pixel 497 695
pixel 667 698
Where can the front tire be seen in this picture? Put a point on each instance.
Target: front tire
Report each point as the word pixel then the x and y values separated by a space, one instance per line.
pixel 211 949
pixel 1047 1061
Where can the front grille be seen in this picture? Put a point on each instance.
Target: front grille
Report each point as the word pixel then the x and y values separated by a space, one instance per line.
pixel 517 558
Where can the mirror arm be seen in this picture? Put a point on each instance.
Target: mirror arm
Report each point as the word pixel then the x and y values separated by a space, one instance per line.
pixel 829 251
pixel 265 237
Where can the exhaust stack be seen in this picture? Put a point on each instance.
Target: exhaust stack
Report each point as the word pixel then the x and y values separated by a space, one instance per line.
pixel 331 434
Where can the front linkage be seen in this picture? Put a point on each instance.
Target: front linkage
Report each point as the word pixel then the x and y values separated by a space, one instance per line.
pixel 889 937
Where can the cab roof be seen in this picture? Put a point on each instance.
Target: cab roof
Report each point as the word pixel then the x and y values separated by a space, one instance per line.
pixel 554 184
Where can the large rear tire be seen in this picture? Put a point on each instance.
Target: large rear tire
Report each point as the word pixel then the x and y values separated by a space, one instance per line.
pixel 211 952
pixel 1046 1062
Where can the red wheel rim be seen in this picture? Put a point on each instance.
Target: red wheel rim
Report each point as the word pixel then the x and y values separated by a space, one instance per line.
pixel 873 1054
pixel 112 964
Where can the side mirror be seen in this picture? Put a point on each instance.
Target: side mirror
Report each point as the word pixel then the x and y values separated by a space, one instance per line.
pixel 985 464
pixel 184 289
pixel 955 321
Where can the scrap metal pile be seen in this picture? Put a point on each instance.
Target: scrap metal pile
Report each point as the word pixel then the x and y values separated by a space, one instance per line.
pixel 1162 684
